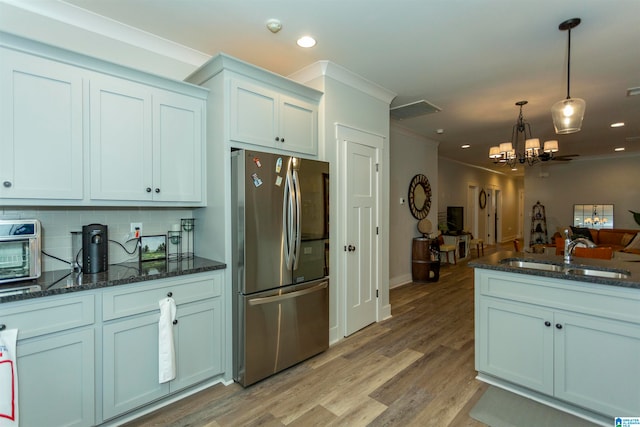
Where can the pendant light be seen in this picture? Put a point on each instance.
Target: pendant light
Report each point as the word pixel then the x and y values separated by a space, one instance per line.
pixel 567 114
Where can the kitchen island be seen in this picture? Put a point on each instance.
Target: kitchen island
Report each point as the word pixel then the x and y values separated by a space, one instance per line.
pixel 566 335
pixel 88 345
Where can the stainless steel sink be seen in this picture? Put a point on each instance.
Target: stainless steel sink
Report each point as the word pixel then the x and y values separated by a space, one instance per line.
pixel 533 265
pixel 599 273
pixel 567 269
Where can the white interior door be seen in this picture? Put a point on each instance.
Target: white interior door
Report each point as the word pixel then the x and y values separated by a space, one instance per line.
pixel 361 245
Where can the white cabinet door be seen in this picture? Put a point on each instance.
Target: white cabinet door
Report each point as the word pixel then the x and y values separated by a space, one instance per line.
pixel 515 342
pixel 178 137
pixel 121 140
pixel 130 364
pixel 253 114
pixel 298 125
pixel 41 127
pixel 597 363
pixel 262 116
pixel 56 383
pixel 198 343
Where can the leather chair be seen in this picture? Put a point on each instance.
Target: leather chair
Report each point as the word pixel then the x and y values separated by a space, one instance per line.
pixel 600 253
pixel 447 248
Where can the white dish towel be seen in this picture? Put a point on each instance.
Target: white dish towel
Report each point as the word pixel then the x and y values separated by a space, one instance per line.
pixel 8 378
pixel 166 350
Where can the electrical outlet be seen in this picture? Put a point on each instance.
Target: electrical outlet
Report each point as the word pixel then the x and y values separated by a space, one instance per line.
pixel 136 230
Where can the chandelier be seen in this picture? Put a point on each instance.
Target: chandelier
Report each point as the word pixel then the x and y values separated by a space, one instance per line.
pixel 595 219
pixel 522 148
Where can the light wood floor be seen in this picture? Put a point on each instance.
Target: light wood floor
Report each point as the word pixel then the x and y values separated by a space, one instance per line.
pixel 414 369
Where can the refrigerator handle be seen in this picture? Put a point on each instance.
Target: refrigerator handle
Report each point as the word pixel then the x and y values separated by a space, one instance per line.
pixel 298 196
pixel 287 221
pixel 288 295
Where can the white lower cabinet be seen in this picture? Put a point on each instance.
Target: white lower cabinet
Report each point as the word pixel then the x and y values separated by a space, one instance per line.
pixel 55 359
pixel 578 343
pixel 56 380
pixel 130 340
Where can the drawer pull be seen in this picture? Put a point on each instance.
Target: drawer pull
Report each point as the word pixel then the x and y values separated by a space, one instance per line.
pixel 169 294
pixel 175 322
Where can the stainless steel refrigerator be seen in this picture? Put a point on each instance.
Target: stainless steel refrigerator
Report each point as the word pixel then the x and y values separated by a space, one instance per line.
pixel 280 260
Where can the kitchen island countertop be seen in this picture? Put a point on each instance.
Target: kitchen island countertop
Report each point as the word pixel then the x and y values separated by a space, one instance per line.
pixel 63 281
pixel 499 261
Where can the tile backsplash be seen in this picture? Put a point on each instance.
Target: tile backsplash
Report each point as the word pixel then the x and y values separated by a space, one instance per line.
pixel 58 223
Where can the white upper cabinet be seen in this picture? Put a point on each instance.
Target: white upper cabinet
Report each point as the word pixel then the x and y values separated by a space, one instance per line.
pixel 41 128
pixel 75 130
pixel 261 115
pixel 146 145
pixel 121 140
pixel 178 152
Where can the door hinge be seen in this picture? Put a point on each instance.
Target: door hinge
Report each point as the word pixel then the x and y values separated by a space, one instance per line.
pixel 377 167
pixel 377 230
pixel 377 293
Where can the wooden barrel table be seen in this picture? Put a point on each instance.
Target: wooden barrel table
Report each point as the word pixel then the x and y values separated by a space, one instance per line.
pixel 425 263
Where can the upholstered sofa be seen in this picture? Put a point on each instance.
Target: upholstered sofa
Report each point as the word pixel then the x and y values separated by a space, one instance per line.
pixel 619 239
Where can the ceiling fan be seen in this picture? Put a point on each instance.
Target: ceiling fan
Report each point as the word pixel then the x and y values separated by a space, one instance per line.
pixel 545 157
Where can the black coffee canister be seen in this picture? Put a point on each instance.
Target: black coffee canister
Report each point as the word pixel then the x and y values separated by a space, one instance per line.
pixel 95 252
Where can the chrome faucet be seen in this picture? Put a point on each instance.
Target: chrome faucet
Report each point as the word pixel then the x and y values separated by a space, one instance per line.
pixel 570 245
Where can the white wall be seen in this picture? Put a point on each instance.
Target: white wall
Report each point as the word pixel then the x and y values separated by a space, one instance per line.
pixel 411 154
pixel 560 185
pixel 58 223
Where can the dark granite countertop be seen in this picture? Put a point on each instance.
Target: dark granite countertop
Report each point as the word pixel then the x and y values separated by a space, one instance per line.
pixel 63 281
pixel 496 261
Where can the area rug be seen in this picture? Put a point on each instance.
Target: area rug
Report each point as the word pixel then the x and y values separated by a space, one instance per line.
pixel 500 408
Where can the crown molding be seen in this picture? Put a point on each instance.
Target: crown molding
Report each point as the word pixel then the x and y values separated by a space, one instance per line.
pixel 329 69
pixel 92 22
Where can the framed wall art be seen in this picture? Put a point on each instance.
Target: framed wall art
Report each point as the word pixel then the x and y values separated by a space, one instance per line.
pixel 153 248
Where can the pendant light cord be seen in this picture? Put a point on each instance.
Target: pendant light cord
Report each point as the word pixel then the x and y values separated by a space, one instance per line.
pixel 568 63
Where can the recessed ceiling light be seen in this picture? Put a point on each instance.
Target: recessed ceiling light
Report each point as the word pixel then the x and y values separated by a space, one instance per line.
pixel 306 41
pixel 618 149
pixel 465 146
pixel 515 169
pixel 617 125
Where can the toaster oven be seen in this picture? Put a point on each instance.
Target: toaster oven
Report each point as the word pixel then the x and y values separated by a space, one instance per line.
pixel 20 250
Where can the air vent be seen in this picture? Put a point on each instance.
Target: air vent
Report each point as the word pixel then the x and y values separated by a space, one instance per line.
pixel 414 109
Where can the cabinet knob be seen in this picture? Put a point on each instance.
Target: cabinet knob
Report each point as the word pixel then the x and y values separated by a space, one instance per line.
pixel 558 326
pixel 175 322
pixel 2 327
pixel 7 184
pixel 148 190
pixel 157 190
pixel 547 323
pixel 277 138
pixel 351 248
pixel 281 139
pixel 169 294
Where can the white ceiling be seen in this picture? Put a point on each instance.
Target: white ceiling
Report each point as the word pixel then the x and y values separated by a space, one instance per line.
pixel 472 58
